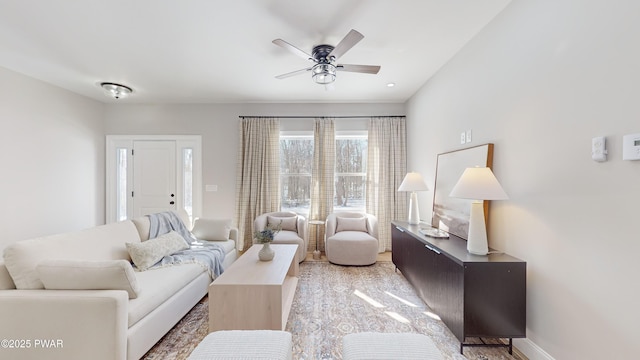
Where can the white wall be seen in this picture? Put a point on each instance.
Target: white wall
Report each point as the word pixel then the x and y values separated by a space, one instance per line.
pixel 52 175
pixel 539 82
pixel 218 126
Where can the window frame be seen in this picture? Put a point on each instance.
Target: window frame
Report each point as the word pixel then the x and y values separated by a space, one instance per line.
pixel 295 135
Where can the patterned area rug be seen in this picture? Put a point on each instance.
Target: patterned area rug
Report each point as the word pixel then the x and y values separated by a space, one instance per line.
pixel 332 301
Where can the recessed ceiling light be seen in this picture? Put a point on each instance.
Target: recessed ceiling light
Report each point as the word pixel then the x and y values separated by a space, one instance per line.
pixel 391 84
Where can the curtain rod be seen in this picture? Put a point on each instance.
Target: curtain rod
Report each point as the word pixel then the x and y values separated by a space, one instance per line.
pixel 320 117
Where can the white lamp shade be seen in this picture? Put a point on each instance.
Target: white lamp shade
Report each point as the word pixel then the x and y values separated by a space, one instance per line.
pixel 413 182
pixel 478 183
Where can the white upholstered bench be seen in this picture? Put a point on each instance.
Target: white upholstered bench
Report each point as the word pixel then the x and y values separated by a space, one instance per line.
pixel 389 346
pixel 245 344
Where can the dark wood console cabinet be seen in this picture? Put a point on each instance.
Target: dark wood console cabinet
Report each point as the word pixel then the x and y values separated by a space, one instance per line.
pixel 475 296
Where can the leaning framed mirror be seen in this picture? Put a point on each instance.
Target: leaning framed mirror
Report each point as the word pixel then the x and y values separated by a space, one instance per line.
pixel 452 214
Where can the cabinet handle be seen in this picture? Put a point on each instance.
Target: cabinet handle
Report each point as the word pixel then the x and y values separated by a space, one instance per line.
pixel 432 249
pixel 400 229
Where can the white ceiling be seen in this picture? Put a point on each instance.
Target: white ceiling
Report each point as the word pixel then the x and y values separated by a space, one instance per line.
pixel 212 51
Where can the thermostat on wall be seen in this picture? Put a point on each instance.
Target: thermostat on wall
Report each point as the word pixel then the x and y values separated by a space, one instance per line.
pixel 631 147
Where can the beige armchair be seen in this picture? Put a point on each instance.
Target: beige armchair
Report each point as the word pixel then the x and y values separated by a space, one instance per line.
pixel 294 230
pixel 351 238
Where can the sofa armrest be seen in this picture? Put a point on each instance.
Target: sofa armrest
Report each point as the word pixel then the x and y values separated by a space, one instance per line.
pixel 63 324
pixel 302 229
pixel 233 234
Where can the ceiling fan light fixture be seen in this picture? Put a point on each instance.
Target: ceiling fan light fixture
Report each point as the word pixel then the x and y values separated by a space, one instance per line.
pixel 116 91
pixel 323 73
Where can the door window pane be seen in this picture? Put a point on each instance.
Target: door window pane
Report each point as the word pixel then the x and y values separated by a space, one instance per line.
pixel 187 176
pixel 121 184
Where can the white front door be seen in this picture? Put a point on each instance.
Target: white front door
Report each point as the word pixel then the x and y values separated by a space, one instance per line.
pixel 144 170
pixel 154 177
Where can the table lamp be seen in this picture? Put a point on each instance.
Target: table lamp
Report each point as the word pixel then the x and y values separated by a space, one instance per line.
pixel 478 184
pixel 413 182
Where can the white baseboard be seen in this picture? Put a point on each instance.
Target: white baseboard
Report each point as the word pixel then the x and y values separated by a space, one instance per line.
pixel 529 349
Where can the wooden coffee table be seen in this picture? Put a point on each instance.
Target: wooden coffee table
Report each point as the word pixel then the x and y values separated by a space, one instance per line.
pixel 253 294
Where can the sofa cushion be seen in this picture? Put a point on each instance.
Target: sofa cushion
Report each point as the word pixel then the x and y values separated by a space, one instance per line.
pixel 287 223
pixel 287 236
pixel 88 275
pixel 143 225
pixel 145 254
pixel 159 284
pixel 105 242
pixel 212 229
pixel 351 224
pixel 6 282
pixel 227 245
pixel 355 236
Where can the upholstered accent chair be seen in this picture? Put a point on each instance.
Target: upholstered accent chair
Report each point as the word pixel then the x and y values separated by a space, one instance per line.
pixel 294 229
pixel 351 238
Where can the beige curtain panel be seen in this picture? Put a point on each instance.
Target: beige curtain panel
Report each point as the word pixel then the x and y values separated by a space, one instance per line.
pixel 386 167
pixel 258 174
pixel 322 175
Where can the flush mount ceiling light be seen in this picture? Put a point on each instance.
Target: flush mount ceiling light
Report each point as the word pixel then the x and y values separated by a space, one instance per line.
pixel 116 91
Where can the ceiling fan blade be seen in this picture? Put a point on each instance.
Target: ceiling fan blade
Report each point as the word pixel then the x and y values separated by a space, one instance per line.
pixel 352 38
pixel 367 69
pixel 293 73
pixel 293 49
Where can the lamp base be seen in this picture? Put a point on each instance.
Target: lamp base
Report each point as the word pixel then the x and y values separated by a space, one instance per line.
pixel 477 242
pixel 414 213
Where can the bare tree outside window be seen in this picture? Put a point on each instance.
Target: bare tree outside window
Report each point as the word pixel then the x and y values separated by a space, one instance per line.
pixel 296 161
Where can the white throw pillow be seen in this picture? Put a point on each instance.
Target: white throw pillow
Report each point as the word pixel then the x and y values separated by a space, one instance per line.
pixel 351 224
pixel 212 229
pixel 88 275
pixel 149 252
pixel 288 223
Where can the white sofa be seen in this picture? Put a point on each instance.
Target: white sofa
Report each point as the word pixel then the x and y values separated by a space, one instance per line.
pixel 39 323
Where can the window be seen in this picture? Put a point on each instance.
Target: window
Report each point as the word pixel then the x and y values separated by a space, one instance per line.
pixel 122 192
pixel 350 172
pixel 296 162
pixel 187 181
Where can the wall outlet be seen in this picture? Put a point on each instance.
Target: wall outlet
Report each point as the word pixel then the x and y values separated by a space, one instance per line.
pixel 463 137
pixel 468 136
pixel 598 149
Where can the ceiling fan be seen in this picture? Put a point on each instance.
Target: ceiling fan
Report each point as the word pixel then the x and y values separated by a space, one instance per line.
pixel 324 57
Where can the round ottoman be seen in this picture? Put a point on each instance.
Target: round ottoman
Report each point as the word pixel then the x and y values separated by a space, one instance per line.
pixel 245 344
pixel 392 346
